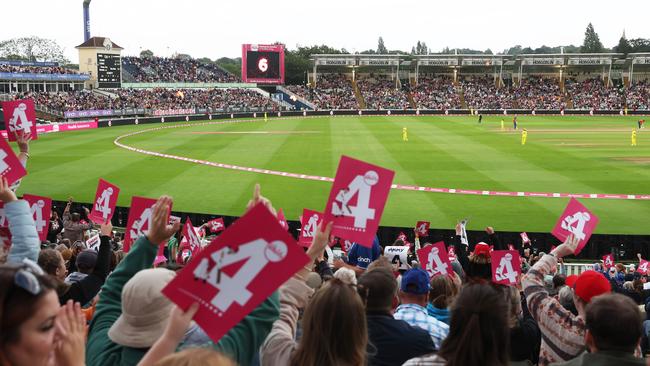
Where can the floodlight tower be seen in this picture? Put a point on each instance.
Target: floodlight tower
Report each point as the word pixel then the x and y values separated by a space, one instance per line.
pixel 86 20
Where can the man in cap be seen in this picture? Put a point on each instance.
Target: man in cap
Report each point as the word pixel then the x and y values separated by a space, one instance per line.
pixel 414 295
pixel 613 332
pixel 563 333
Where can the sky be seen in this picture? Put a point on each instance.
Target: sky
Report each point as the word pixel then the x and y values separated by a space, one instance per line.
pixel 214 29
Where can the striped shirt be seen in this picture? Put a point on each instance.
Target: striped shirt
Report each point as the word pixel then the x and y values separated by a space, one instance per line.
pixel 562 332
pixel 417 316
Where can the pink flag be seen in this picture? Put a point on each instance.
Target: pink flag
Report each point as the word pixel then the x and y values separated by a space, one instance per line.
pixel 577 220
pixel 105 202
pixel 451 253
pixel 216 225
pixel 282 220
pixel 309 223
pixel 193 240
pixel 524 238
pixel 435 260
pixel 41 210
pixel 643 266
pixel 608 261
pixel 357 200
pixel 20 118
pixel 237 271
pixel 10 166
pixel 422 228
pixel 506 267
pixel 139 220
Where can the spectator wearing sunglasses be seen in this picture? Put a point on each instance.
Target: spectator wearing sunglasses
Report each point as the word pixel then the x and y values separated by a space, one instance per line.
pixel 35 329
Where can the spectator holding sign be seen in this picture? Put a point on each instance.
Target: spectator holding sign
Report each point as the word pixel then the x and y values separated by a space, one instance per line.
pixel 563 334
pixel 25 242
pixel 92 269
pixel 73 228
pixel 334 325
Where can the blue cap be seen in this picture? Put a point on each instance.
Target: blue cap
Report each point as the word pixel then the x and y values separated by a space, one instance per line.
pixel 418 281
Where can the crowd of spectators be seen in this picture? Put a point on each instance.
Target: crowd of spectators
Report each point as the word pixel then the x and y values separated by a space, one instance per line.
pixel 65 303
pixel 332 91
pixel 591 93
pixel 436 92
pixel 36 69
pixel 637 96
pixel 481 92
pixel 161 69
pixel 157 98
pixel 539 93
pixel 380 92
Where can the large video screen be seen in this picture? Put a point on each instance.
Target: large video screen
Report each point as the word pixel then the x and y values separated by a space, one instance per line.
pixel 109 71
pixel 263 64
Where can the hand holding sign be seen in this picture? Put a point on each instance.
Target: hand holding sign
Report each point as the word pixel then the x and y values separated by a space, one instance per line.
pixel 6 194
pixel 159 231
pixel 21 118
pixel 105 202
pixel 10 167
pixel 577 220
pixel 258 198
pixel 422 228
pixel 237 271
pixel 567 248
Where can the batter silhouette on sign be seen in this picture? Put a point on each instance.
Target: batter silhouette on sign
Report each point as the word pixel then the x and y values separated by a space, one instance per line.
pixel 141 224
pixel 103 203
pixel 3 165
pixel 579 219
pixel 505 270
pixel 310 228
pixel 19 121
pixel 37 213
pixel 434 257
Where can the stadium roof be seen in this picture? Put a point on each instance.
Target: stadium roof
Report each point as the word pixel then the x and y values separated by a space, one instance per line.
pixel 98 42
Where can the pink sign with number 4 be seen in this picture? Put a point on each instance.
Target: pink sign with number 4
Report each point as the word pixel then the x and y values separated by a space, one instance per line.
pixel 237 271
pixel 357 199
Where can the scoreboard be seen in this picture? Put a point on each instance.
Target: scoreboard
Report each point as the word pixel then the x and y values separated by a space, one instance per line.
pixel 109 71
pixel 263 64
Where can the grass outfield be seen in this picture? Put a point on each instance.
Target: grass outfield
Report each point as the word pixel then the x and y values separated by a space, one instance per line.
pixel 563 154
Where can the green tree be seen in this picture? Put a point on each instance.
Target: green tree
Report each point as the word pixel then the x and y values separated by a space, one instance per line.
pixel 592 42
pixel 146 54
pixel 33 49
pixel 232 65
pixel 623 45
pixel 381 48
pixel 640 45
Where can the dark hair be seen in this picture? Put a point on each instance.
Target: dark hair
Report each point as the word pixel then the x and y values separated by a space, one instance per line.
pixel 479 267
pixel 478 331
pixel 49 260
pixel 16 304
pixel 559 280
pixel 615 322
pixel 379 288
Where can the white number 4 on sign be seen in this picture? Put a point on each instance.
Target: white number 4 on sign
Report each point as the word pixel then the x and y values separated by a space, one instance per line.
pixel 361 187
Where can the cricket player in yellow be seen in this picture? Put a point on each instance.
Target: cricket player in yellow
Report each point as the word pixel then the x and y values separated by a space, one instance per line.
pixel 266 118
pixel 634 137
pixel 502 126
pixel 524 136
pixel 405 134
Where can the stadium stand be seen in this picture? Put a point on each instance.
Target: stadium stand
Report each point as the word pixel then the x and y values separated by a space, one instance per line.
pixel 160 69
pixel 332 91
pixel 481 92
pixel 591 93
pixel 381 93
pixel 434 92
